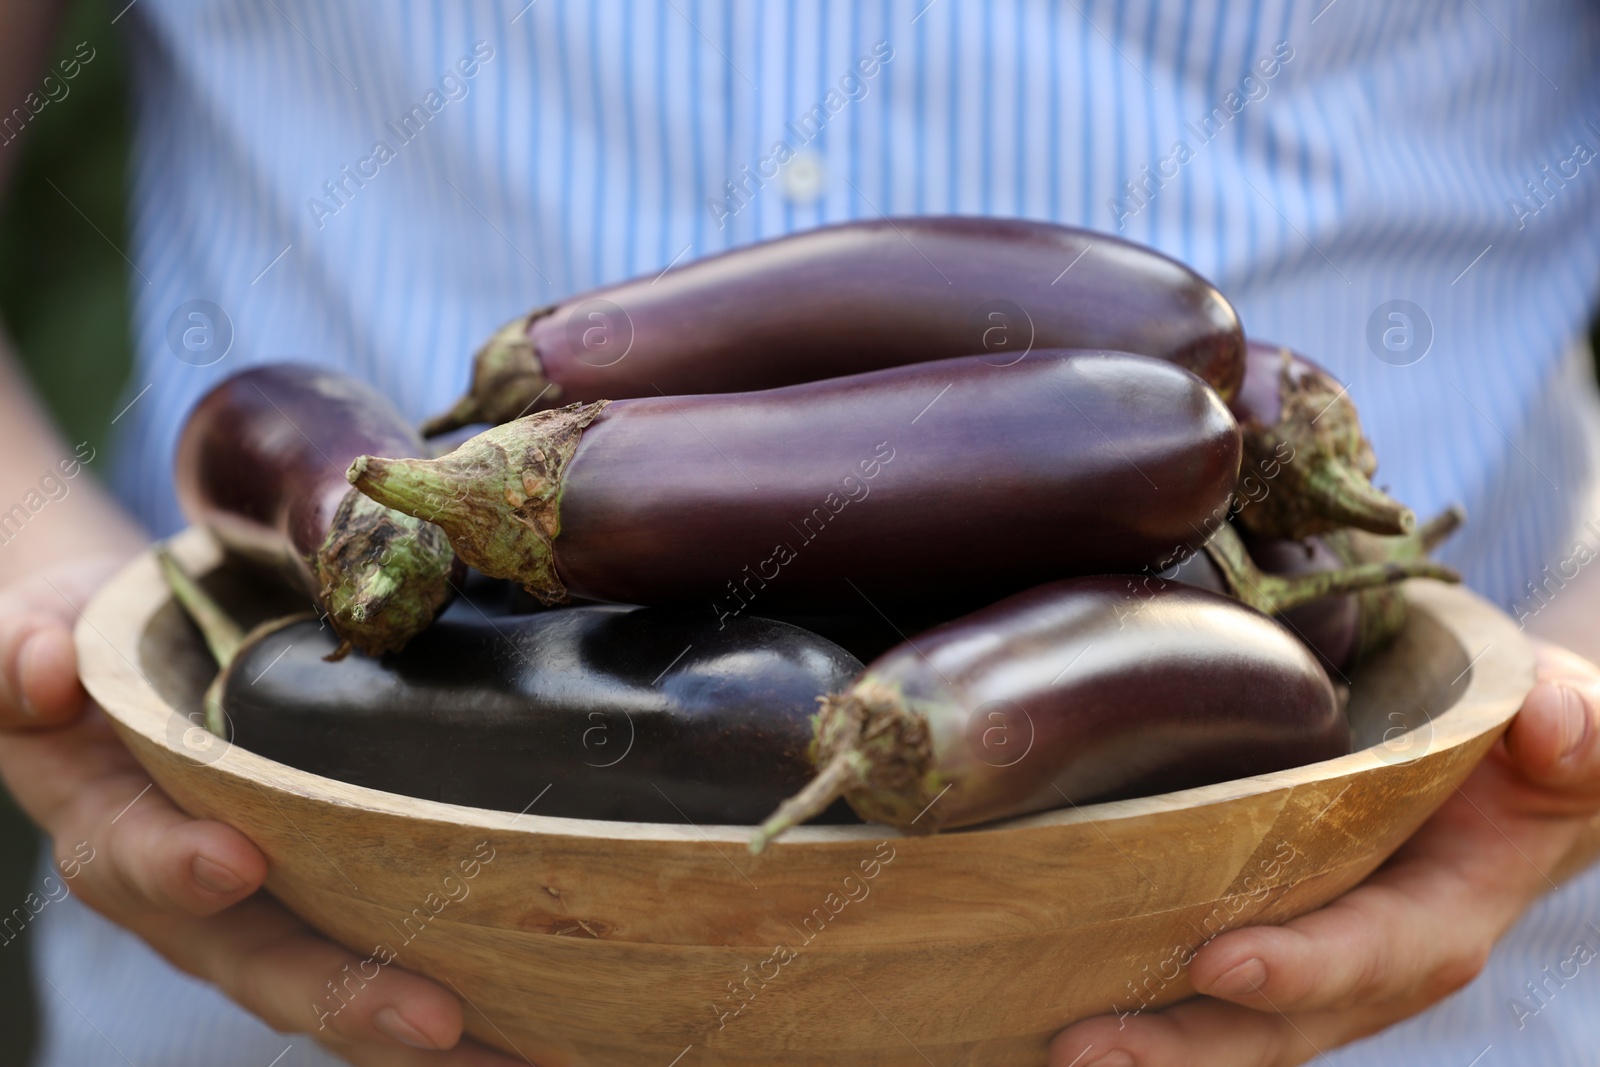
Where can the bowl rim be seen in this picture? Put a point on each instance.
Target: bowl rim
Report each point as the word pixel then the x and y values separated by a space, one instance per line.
pixel 111 627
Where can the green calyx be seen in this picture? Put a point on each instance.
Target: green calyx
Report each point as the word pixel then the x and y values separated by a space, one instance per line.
pixel 873 748
pixel 508 380
pixel 1316 465
pixel 1272 594
pixel 497 497
pixel 1383 609
pixel 383 575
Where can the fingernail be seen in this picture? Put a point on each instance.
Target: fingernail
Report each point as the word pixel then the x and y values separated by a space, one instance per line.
pixel 1241 979
pixel 1574 722
pixel 214 876
pixel 1118 1058
pixel 393 1026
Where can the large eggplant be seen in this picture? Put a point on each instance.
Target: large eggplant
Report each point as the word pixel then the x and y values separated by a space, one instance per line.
pixel 850 298
pixel 600 712
pixel 1072 692
pixel 261 464
pixel 1303 441
pixel 903 484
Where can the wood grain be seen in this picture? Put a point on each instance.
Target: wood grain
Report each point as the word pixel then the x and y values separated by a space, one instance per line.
pixel 589 942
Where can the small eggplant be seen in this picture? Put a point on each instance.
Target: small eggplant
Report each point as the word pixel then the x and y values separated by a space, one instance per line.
pixel 1068 693
pixel 904 483
pixel 261 464
pixel 1303 436
pixel 1339 592
pixel 641 714
pixel 851 298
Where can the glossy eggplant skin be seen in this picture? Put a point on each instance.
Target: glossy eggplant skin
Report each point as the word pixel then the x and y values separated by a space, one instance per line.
pixel 895 486
pixel 650 715
pixel 1072 692
pixel 856 297
pixel 261 462
pixel 262 457
pixel 1330 627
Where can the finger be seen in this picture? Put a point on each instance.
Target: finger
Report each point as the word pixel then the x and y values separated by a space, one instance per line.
pixel 38 671
pixel 1380 942
pixel 466 1054
pixel 1555 741
pixel 150 855
pixel 47 676
pixel 278 969
pixel 94 800
pixel 1197 1033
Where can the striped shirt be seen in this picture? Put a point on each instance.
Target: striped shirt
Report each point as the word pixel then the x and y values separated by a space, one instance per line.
pixel 1407 192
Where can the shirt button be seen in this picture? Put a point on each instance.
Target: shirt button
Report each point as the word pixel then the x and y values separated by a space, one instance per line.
pixel 803 179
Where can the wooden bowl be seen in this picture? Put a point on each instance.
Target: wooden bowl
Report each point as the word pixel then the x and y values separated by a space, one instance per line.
pixel 621 944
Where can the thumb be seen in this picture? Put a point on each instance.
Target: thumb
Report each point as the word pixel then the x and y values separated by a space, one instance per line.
pixel 1554 742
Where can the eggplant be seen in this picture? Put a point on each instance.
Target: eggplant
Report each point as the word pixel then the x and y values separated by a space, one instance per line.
pixel 900 484
pixel 1071 692
pixel 851 298
pixel 1339 593
pixel 1303 437
pixel 261 464
pixel 598 712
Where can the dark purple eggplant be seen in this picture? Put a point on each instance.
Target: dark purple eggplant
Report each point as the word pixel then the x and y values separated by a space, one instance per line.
pixel 851 298
pixel 1303 441
pixel 900 484
pixel 261 464
pixel 1072 692
pixel 599 712
pixel 1339 593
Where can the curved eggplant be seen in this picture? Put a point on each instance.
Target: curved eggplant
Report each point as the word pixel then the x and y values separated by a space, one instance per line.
pixel 598 712
pixel 900 484
pixel 851 298
pixel 1302 433
pixel 261 464
pixel 1072 692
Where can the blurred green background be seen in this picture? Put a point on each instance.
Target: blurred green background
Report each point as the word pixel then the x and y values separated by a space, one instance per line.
pixel 64 297
pixel 63 294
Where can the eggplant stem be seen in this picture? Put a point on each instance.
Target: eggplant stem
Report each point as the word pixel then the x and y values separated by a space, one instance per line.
pixel 1433 533
pixel 216 721
pixel 222 635
pixel 464 413
pixel 1344 496
pixel 845 771
pixel 507 381
pixel 1273 594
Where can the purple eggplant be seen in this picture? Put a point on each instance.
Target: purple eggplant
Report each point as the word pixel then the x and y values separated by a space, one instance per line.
pixel 1072 692
pixel 850 298
pixel 1303 440
pixel 902 484
pixel 261 464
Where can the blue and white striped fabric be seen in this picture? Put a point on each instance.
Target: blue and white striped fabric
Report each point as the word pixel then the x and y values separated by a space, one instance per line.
pixel 1406 192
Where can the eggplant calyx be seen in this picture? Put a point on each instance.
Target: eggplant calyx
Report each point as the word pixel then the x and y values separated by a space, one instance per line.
pixel 382 575
pixel 508 379
pixel 1384 610
pixel 497 497
pixel 873 749
pixel 1320 462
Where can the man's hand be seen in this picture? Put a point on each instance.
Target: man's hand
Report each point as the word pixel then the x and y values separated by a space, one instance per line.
pixel 1418 929
pixel 186 886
